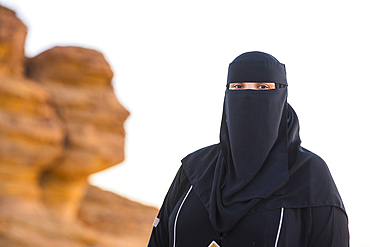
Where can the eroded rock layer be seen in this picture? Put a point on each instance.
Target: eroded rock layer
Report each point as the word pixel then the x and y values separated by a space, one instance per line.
pixel 60 121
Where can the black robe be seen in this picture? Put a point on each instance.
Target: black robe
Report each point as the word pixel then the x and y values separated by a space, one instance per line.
pixel 186 221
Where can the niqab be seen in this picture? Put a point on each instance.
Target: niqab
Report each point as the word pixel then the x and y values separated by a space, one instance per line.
pixel 259 163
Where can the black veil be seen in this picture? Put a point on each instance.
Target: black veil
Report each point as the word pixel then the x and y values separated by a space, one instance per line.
pixel 259 163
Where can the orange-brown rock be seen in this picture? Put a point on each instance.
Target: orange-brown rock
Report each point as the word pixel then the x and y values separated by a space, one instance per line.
pixel 79 82
pixel 60 122
pixel 110 213
pixel 31 136
pixel 12 38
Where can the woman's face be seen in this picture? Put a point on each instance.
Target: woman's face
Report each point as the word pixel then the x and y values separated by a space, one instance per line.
pixel 252 85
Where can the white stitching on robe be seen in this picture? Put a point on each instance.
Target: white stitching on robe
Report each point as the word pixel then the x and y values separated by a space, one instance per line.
pixel 177 215
pixel 279 229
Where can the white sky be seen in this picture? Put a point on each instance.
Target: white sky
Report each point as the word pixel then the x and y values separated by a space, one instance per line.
pixel 170 61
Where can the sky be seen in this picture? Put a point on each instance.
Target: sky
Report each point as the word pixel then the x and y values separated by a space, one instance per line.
pixel 170 61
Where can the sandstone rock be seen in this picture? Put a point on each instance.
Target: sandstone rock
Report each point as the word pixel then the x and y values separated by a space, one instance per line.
pixel 110 213
pixel 31 136
pixel 12 37
pixel 85 67
pixel 30 224
pixel 87 104
pixel 60 122
pixel 79 82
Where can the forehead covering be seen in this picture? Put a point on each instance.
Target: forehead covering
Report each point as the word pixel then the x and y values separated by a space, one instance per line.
pixel 256 67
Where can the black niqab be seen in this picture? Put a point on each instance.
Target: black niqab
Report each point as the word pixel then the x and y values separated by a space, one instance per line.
pixel 259 163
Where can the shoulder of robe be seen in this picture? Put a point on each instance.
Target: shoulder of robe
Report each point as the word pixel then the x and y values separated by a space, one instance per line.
pixel 321 182
pixel 206 152
pixel 306 159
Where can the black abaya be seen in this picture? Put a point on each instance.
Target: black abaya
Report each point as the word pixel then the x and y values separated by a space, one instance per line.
pixel 321 226
pixel 258 186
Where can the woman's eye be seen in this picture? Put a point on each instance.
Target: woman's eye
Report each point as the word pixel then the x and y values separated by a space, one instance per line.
pixel 236 86
pixel 263 87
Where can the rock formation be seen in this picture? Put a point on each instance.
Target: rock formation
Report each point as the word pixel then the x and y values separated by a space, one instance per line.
pixel 117 216
pixel 60 122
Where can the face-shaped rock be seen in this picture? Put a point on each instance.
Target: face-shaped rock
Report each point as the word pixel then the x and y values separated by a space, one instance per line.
pixel 79 81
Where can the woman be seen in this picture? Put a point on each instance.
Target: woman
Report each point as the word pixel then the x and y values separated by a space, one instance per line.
pixel 258 186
